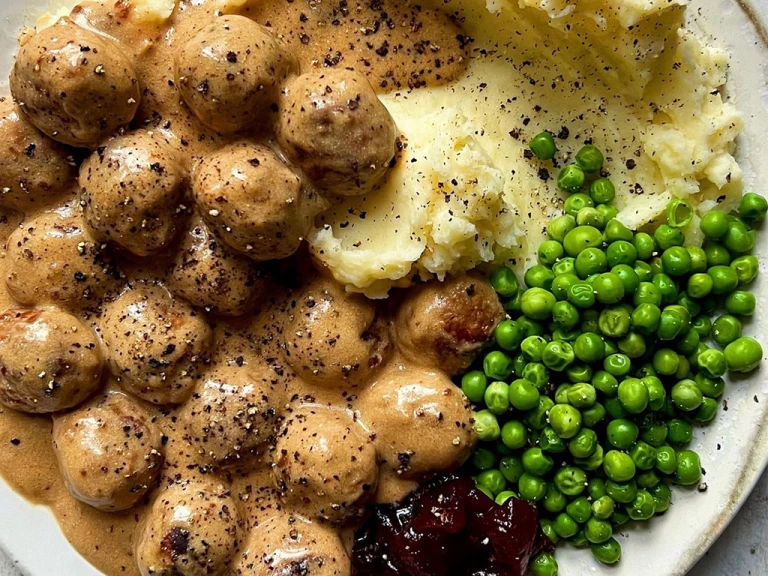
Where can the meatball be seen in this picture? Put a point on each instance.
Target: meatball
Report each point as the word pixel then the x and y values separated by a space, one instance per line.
pixel 209 274
pixel 109 452
pixel 230 72
pixel 131 190
pixel 53 259
pixel 233 414
pixel 33 168
pixel 287 545
pixel 446 324
pixel 325 464
pixel 334 338
pixel 75 85
pixel 253 201
pixel 421 421
pixel 155 345
pixel 49 361
pixel 191 530
pixel 334 127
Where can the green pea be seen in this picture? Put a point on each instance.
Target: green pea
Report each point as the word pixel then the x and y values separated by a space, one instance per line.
pixel 487 426
pixel 617 364
pixel 570 480
pixel 554 501
pixel 717 254
pixel 565 420
pixel 561 285
pixel 633 395
pixel 543 146
pixel 679 213
pixel 648 479
pixel 609 552
pixel 581 294
pixel 591 261
pixel 580 509
pixel 537 418
pixel 549 251
pixel 706 412
pixel 712 363
pixel 565 526
pixel 711 387
pixel 511 468
pixel 537 303
pixel 589 216
pixel 536 462
pixel 513 305
pixel 523 395
pixel 485 491
pixel 550 442
pixel 643 455
pixel 543 564
pixel 739 238
pixel 504 281
pixel 666 236
pixel 571 178
pixel 593 461
pixel 514 434
pixel 557 355
pixel 497 365
pixel 508 335
pixel 644 245
pixel 609 288
pixel 618 466
pixel 654 434
pixel 579 372
pixel 676 261
pixel 628 277
pixel 493 480
pixel 698 259
pixel 616 231
pixel 496 397
pixel 644 271
pixel 615 409
pixel 536 373
pixel 589 321
pixel 619 518
pixel 643 507
pixel 686 396
pixel 614 322
pixel 666 361
pixel 607 211
pixel 753 207
pixel 633 345
pixel 602 191
pixel 670 325
pixel 649 293
pixel 531 488
pixel 700 285
pixel 584 444
pixel 688 468
pixel 547 527
pixel 743 354
pixel 714 224
pixel 483 459
pixel 558 228
pixel 622 434
pixel 473 384
pixel 566 265
pixel 746 268
pixel 680 432
pixel 646 318
pixel 581 395
pixel 702 325
pixel 621 492
pixel 575 203
pixel 741 303
pixel 503 496
pixel 539 276
pixel 532 347
pixel 603 507
pixel 581 238
pixel 590 158
pixel 662 497
pixel 592 415
pixel 519 362
pixel 589 347
pixel 605 383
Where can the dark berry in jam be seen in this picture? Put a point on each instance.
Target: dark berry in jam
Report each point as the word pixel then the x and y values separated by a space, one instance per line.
pixel 449 528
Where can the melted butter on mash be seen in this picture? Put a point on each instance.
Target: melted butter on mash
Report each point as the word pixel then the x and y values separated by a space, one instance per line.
pixel 624 75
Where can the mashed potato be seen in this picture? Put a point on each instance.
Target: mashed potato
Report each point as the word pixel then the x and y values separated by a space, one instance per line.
pixel 625 75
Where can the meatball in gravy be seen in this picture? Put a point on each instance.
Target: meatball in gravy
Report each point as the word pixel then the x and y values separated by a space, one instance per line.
pixel 76 86
pixel 253 201
pixel 325 464
pixel 332 125
pixel 287 545
pixel 109 452
pixel 191 530
pixel 230 72
pixel 233 414
pixel 209 274
pixel 33 168
pixel 446 324
pixel 49 361
pixel 131 191
pixel 155 345
pixel 53 259
pixel 421 421
pixel 334 338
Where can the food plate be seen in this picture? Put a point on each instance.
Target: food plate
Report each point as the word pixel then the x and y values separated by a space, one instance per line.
pixel 734 451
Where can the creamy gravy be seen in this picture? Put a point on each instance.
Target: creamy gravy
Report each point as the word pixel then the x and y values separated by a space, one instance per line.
pixel 397 45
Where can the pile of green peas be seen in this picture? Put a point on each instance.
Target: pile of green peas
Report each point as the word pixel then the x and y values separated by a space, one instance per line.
pixel 586 401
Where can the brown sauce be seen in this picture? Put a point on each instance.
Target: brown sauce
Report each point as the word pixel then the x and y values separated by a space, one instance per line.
pixel 397 45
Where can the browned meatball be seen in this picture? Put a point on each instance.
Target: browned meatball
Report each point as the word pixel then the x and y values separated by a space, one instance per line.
pixel 155 344
pixel 446 324
pixel 422 422
pixel 253 201
pixel 191 530
pixel 131 190
pixel 109 452
pixel 209 274
pixel 230 72
pixel 286 545
pixel 325 464
pixel 334 127
pixel 334 338
pixel 233 414
pixel 53 259
pixel 33 168
pixel 49 360
pixel 76 86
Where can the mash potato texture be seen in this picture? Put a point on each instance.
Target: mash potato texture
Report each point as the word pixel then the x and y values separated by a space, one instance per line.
pixel 625 75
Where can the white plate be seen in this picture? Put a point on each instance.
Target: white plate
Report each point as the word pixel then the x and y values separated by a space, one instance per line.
pixel 668 546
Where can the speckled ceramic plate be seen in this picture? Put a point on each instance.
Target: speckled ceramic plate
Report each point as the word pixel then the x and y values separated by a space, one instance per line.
pixel 734 451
